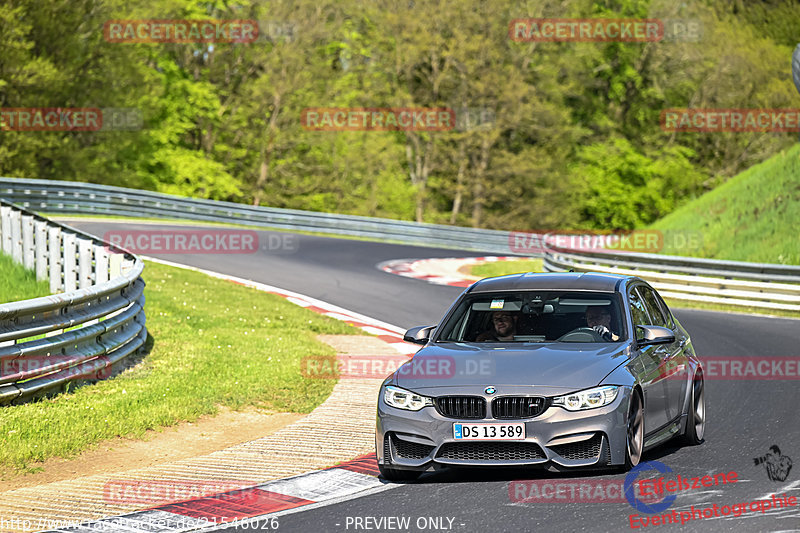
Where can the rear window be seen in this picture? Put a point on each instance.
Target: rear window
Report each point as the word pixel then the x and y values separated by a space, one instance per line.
pixel 534 316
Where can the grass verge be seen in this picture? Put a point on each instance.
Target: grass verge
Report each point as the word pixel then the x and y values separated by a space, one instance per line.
pixel 502 268
pixel 215 344
pixel 19 283
pixel 753 217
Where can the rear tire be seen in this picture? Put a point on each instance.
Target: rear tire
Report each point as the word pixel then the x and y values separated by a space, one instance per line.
pixel 634 441
pixel 696 419
pixel 395 474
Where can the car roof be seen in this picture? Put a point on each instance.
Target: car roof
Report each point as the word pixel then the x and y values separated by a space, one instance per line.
pixel 586 281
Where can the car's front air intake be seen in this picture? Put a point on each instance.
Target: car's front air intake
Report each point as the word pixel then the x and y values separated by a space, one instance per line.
pixel 461 406
pixel 509 407
pixel 491 451
pixel 585 449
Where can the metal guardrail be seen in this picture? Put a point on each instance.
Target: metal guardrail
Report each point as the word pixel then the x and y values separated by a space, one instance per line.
pixel 87 198
pixel 702 280
pixel 95 321
pixel 736 283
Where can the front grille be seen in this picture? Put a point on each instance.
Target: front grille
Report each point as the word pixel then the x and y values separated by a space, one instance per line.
pixel 387 452
pixel 461 406
pixel 410 450
pixel 491 451
pixel 586 449
pixel 518 406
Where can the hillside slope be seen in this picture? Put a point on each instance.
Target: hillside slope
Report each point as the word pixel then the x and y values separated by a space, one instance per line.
pixel 754 216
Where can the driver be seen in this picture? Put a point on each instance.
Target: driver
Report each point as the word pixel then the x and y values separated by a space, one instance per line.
pixel 598 317
pixel 504 328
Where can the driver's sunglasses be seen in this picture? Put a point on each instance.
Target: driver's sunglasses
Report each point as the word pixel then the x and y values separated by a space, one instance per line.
pixel 501 318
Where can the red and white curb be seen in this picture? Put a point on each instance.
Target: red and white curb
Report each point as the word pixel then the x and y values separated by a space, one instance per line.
pixel 440 271
pixel 238 506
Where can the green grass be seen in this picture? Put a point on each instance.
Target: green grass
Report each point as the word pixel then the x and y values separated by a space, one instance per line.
pixel 754 216
pixel 19 283
pixel 215 344
pixel 502 268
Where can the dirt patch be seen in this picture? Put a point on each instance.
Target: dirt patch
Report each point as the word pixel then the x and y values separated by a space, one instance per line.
pixel 208 434
pixel 466 272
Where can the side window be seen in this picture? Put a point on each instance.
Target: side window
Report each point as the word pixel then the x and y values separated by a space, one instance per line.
pixel 667 312
pixel 453 328
pixel 638 312
pixel 653 307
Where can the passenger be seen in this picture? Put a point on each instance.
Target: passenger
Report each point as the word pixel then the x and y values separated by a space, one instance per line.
pixel 598 317
pixel 504 328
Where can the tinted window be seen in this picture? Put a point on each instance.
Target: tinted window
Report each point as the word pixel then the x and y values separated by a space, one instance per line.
pixel 653 307
pixel 667 312
pixel 532 316
pixel 638 312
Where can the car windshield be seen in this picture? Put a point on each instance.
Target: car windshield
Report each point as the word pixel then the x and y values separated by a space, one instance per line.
pixel 535 316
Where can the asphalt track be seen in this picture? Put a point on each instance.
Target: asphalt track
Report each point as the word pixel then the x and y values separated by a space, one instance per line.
pixel 744 417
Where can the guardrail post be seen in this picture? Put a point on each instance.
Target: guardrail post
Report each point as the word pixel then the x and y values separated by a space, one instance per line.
pixel 100 264
pixel 115 265
pixel 84 263
pixel 40 237
pixel 54 256
pixel 16 237
pixel 5 228
pixel 27 241
pixel 69 262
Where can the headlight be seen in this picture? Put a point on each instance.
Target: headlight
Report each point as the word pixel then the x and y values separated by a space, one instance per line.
pixel 587 399
pixel 403 399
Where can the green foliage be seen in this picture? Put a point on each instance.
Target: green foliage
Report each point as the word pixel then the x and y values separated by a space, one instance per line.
pixel 575 142
pixel 615 186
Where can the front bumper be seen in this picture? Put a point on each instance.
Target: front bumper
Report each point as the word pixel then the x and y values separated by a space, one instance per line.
pixel 423 440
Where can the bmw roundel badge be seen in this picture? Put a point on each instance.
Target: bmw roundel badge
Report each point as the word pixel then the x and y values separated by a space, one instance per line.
pixel 490 390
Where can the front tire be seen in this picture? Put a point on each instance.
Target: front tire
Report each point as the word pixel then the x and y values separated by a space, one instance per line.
pixel 634 441
pixel 394 474
pixel 696 418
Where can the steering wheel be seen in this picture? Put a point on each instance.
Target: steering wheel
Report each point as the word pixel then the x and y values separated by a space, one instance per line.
pixel 583 334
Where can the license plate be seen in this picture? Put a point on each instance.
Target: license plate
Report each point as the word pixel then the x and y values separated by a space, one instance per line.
pixel 488 431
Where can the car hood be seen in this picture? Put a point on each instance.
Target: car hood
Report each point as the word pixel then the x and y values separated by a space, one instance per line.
pixel 550 368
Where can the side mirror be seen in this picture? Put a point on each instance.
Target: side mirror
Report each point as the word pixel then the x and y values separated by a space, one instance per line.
pixel 419 334
pixel 651 335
